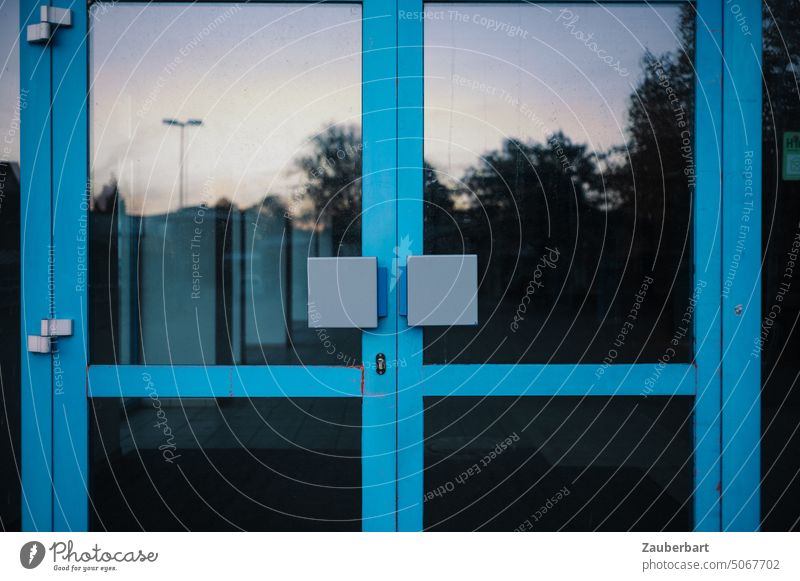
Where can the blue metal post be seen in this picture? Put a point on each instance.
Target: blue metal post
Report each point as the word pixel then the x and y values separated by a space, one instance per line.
pixel 36 260
pixel 741 261
pixel 707 209
pixel 410 436
pixel 379 223
pixel 70 220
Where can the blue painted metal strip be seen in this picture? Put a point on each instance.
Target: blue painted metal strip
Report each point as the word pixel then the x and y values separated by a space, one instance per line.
pixel 379 238
pixel 741 261
pixel 516 380
pixel 70 215
pixel 707 261
pixel 410 437
pixel 538 2
pixel 35 173
pixel 223 381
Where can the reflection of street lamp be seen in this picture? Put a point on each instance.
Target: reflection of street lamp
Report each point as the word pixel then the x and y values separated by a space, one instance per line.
pixel 182 125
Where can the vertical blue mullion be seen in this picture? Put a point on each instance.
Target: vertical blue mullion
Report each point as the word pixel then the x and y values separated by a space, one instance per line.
pixel 410 461
pixel 379 238
pixel 35 204
pixel 741 260
pixel 70 207
pixel 706 214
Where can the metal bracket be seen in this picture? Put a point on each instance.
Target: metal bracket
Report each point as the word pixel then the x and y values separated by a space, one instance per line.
pixel 383 291
pixel 402 291
pixel 50 19
pixel 56 327
pixel 37 344
pixel 49 328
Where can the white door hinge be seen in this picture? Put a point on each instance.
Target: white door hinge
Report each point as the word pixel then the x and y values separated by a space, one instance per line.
pixel 50 18
pixel 49 328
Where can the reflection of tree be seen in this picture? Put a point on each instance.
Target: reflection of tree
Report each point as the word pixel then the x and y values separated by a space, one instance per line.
pixel 273 206
pixel 647 180
pixel 655 172
pixel 660 116
pixel 105 200
pixel 781 63
pixel 509 200
pixel 438 211
pixel 621 214
pixel 331 172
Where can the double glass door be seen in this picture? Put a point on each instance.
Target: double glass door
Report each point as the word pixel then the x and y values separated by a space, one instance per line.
pixel 202 153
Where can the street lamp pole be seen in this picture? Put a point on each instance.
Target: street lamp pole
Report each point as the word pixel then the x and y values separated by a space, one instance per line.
pixel 181 161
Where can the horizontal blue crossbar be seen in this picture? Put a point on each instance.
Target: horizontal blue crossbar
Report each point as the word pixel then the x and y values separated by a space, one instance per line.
pixel 439 380
pixel 223 381
pixel 545 2
pixel 643 379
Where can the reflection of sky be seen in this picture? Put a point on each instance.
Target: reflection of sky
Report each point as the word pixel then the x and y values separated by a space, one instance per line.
pixel 263 78
pixel 543 76
pixel 261 89
pixel 9 79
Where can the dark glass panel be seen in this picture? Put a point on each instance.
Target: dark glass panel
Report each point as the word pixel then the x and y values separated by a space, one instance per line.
pixel 551 464
pixel 780 339
pixel 221 464
pixel 11 104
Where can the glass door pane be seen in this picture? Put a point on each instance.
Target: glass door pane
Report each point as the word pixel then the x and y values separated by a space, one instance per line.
pixel 558 464
pixel 205 464
pixel 559 149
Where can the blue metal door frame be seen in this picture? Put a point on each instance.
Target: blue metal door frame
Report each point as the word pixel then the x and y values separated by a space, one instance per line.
pixel 741 268
pixel 724 378
pixel 55 457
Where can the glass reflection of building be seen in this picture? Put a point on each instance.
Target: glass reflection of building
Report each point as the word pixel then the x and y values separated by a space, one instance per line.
pixel 212 283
